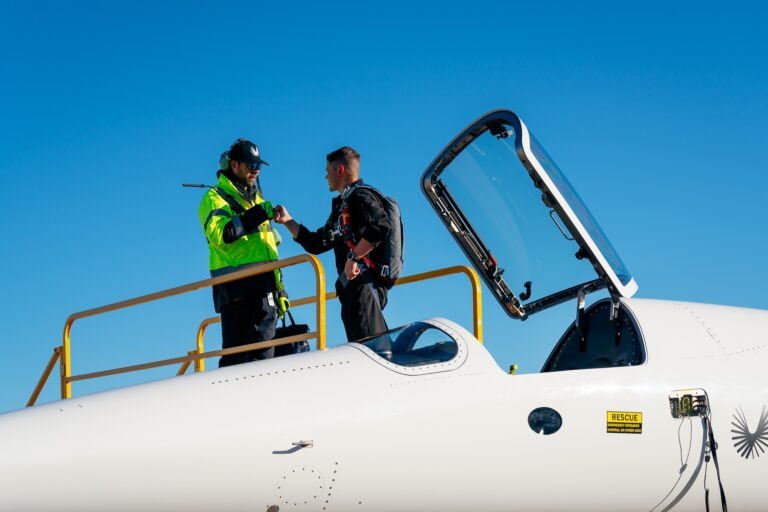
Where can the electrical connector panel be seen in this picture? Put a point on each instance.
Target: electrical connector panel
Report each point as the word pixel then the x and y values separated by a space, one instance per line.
pixel 687 402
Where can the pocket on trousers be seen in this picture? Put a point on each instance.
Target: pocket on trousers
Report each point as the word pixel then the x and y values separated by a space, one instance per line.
pixel 269 321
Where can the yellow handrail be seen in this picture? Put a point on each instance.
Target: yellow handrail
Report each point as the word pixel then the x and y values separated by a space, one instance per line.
pixel 474 281
pixel 44 377
pixel 194 356
pixel 63 353
pixel 185 365
pixel 200 363
pixel 66 365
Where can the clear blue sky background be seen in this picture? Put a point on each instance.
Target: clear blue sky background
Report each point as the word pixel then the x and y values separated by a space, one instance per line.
pixel 656 112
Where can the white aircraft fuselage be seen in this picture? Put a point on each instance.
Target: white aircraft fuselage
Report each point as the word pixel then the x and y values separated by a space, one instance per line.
pixel 453 437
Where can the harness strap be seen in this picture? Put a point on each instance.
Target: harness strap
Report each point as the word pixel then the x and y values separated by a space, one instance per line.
pixel 382 270
pixel 365 260
pixel 231 201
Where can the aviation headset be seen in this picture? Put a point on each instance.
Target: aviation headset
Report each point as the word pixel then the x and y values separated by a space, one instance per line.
pixel 224 161
pixel 224 158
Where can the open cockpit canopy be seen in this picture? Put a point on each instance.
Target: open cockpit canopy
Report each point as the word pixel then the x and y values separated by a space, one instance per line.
pixel 518 220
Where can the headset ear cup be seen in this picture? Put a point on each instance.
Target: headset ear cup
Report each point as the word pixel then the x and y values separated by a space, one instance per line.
pixel 224 161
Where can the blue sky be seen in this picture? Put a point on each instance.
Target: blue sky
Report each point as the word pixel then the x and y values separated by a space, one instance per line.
pixel 655 112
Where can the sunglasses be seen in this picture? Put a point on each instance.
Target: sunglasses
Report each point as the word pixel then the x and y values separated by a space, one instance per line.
pixel 253 166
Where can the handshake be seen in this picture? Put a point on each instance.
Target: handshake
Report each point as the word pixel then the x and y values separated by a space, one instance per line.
pixel 281 215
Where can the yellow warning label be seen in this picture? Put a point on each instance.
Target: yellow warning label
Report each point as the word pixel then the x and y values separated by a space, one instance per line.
pixel 621 422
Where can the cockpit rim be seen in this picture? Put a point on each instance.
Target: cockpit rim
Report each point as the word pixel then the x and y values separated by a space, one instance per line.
pixel 453 364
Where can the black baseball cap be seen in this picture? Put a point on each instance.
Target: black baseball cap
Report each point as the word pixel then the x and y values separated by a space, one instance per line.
pixel 246 151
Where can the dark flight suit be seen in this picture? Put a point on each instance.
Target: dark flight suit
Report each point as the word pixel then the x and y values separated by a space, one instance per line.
pixel 363 298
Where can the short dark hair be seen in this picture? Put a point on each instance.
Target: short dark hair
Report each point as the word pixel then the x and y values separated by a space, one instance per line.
pixel 344 155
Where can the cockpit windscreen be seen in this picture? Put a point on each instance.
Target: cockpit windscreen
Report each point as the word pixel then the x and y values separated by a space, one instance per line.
pixel 415 344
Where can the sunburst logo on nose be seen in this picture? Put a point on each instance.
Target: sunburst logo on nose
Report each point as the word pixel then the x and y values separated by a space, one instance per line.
pixel 747 443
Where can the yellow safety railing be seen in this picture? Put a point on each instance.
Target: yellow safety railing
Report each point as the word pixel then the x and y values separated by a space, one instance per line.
pixel 44 377
pixel 474 281
pixel 63 353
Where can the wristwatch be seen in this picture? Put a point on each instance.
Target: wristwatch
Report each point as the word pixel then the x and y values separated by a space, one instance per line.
pixel 351 257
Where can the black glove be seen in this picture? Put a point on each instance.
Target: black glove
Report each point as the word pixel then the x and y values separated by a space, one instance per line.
pixel 256 215
pixel 251 220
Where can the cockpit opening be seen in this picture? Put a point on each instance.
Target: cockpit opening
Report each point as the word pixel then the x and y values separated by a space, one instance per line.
pixel 415 344
pixel 601 337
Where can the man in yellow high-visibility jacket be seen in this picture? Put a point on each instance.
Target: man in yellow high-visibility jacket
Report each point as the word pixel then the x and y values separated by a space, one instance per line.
pixel 235 218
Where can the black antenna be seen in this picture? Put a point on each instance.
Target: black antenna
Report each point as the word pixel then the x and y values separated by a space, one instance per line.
pixel 258 187
pixel 196 185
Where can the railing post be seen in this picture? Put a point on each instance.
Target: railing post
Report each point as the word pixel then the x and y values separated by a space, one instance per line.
pixel 477 301
pixel 66 362
pixel 200 363
pixel 44 377
pixel 320 294
pixel 474 281
pixel 185 364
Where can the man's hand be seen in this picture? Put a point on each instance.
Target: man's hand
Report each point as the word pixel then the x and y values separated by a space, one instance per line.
pixel 283 217
pixel 351 270
pixel 281 214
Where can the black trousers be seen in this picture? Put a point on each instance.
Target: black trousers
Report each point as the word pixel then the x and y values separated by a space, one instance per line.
pixel 361 305
pixel 245 321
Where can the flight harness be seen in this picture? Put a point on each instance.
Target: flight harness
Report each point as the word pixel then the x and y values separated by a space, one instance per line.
pixel 388 271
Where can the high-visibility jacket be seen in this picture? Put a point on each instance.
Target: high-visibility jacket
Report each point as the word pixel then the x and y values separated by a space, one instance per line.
pixel 257 246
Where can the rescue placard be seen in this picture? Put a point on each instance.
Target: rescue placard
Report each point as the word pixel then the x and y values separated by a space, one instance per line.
pixel 622 422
